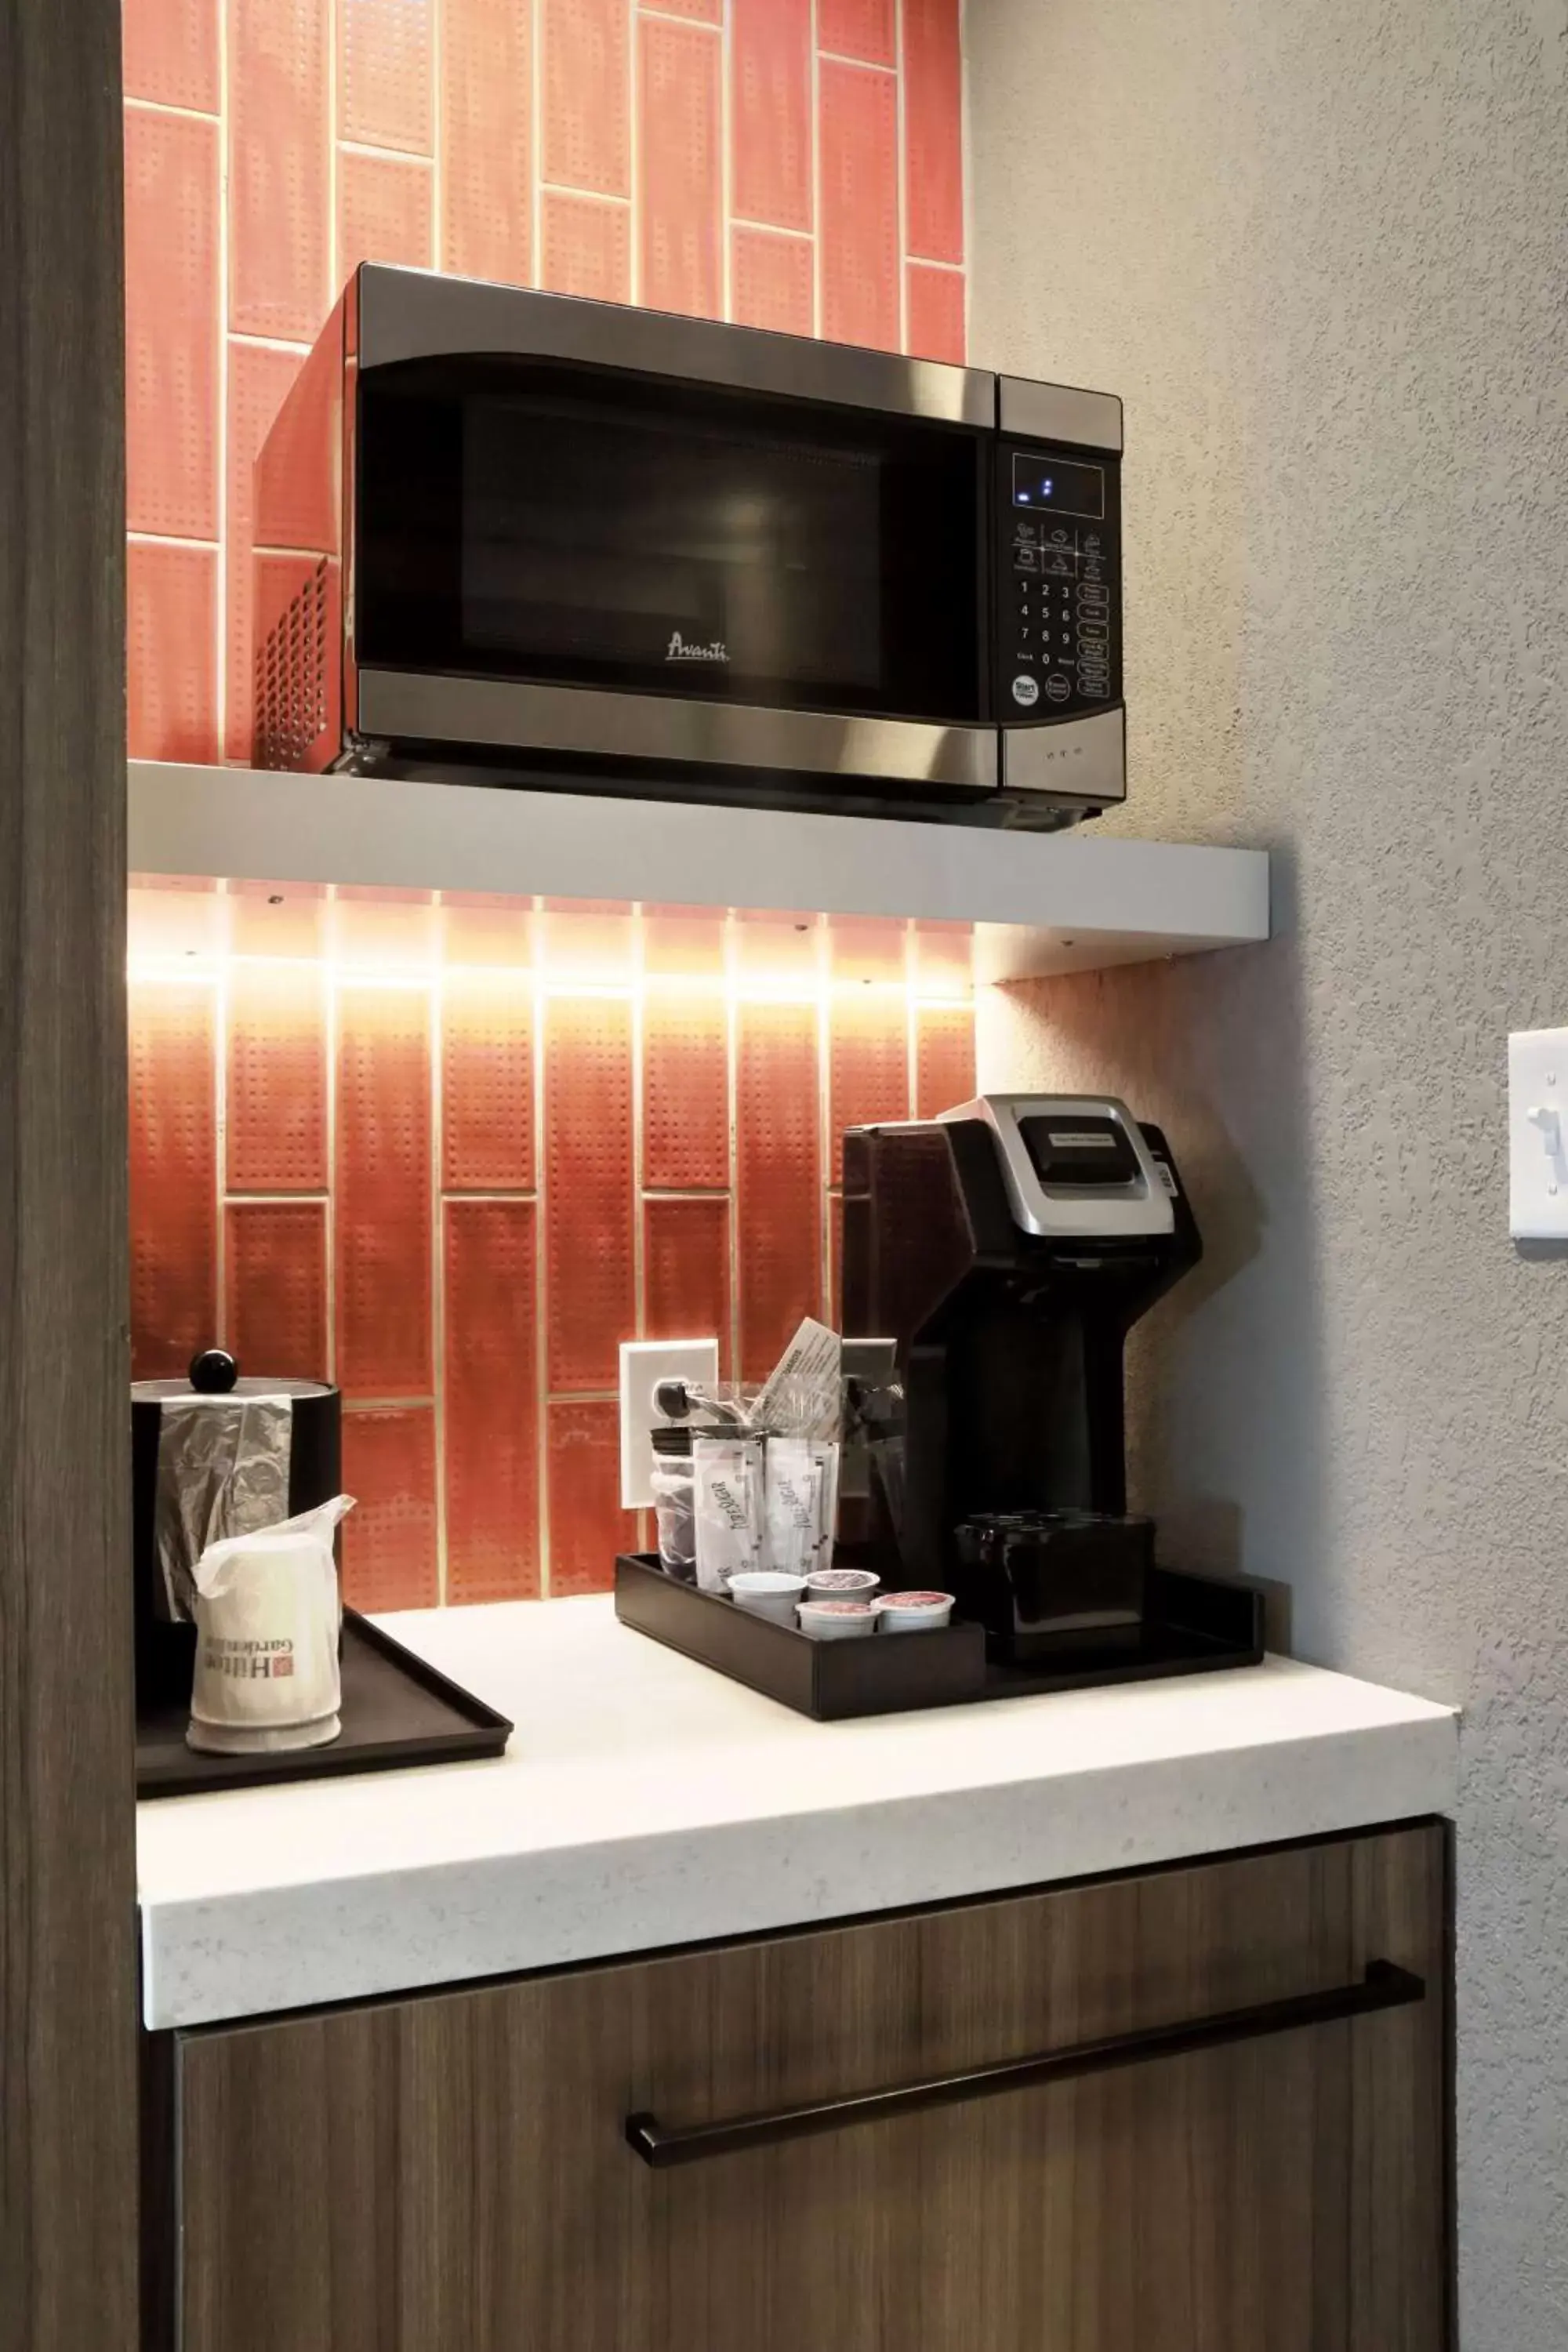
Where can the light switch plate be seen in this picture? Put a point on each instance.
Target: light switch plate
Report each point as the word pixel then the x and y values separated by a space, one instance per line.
pixel 643 1363
pixel 1538 1134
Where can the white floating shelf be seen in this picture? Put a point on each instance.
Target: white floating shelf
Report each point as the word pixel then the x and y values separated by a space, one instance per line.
pixel 1040 902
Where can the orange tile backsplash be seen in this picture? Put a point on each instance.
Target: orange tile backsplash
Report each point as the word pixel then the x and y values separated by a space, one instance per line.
pixel 450 1154
pixel 449 1151
pixel 795 165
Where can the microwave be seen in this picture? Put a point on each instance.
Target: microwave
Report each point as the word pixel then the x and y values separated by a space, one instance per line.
pixel 557 543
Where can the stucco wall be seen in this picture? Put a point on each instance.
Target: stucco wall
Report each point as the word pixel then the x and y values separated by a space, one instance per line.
pixel 1323 253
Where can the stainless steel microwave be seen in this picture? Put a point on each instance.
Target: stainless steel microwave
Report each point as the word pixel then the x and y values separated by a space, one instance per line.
pixel 571 543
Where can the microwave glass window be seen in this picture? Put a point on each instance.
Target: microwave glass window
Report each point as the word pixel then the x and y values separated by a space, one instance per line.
pixel 1058 486
pixel 681 543
pixel 660 544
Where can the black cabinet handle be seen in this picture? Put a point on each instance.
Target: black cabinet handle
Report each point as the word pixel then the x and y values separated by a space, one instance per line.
pixel 1384 1986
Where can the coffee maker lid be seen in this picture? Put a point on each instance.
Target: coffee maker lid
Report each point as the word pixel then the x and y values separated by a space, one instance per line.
pixel 1076 1167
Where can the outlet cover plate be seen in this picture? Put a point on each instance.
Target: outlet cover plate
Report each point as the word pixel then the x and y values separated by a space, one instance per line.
pixel 643 1363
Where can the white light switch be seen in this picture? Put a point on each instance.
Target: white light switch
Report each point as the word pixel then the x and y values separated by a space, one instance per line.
pixel 1538 1134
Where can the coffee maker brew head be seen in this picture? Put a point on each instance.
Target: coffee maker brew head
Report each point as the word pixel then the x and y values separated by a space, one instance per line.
pixel 1006 1248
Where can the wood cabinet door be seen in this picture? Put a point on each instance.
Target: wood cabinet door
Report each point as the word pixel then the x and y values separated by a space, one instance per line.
pixel 452 2173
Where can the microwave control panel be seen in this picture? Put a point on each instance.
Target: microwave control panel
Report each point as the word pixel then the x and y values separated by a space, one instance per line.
pixel 1058 583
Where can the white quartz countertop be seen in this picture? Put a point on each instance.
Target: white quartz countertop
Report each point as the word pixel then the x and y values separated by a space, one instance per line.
pixel 645 1801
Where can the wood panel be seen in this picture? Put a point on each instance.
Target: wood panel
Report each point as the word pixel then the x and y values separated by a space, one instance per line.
pixel 68 1969
pixel 451 2172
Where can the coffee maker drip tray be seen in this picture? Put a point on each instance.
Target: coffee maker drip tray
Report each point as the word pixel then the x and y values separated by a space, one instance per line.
pixel 1190 1625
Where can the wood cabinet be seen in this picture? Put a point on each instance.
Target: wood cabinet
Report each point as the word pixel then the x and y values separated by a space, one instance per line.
pixel 452 2173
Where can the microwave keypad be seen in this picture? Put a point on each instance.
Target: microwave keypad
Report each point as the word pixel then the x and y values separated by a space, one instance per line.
pixel 1060 613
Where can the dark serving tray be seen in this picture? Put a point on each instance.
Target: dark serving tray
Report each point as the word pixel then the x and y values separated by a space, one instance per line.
pixel 1195 1625
pixel 397 1711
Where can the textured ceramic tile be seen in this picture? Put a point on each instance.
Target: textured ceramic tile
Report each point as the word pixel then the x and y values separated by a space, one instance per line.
pixel 686 1090
pixel 275 1323
pixel 933 313
pixel 591 1300
pixel 259 378
pixel 778 1179
pixel 771 280
pixel 933 128
pixel 945 1058
pixel 683 942
pixel 174 1175
pixel 588 940
pixel 491 1415
pixel 280 225
pixel 277 1078
pixel 865 29
pixel 586 247
pixel 770 111
pixel 777 950
pixel 487 115
pixel 172 324
pixel 390 1555
pixel 860 229
pixel 944 959
pixel 587 1525
pixel 485 928
pixel 171 632
pixel 487 1083
pixel 170 917
pixel 680 167
pixel 698 12
pixel 383 1192
pixel 277 918
pixel 384 72
pixel 587 94
pixel 384 210
pixel 384 930
pixel 686 1271
pixel 170 51
pixel 867 947
pixel 868 1065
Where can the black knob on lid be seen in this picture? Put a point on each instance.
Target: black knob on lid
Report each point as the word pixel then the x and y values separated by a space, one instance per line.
pixel 213 1372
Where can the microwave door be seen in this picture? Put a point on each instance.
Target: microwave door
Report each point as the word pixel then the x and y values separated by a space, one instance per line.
pixel 533 527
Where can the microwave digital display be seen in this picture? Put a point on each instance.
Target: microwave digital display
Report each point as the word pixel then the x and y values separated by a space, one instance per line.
pixel 1058 486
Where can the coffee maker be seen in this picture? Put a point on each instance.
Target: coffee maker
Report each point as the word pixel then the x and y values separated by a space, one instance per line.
pixel 1007 1248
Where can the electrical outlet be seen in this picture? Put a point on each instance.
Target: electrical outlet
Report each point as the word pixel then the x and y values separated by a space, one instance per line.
pixel 643 1363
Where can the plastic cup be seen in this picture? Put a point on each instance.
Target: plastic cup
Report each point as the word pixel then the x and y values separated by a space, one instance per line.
pixel 842 1584
pixel 767 1593
pixel 837 1620
pixel 913 1613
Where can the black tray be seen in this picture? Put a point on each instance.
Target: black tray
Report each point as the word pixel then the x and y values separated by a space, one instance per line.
pixel 397 1711
pixel 1194 1624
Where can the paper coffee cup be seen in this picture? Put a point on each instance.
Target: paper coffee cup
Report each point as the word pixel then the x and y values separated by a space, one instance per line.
pixel 268 1620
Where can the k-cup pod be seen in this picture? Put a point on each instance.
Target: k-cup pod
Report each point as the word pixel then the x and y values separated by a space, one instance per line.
pixel 913 1613
pixel 842 1584
pixel 767 1593
pixel 837 1620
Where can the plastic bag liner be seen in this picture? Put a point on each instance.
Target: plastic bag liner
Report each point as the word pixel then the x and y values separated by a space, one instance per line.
pixel 268 1616
pixel 223 1470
